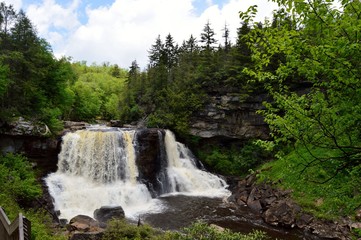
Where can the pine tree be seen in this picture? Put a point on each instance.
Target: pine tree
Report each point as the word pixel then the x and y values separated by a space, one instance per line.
pixel 170 51
pixel 156 53
pixel 207 37
pixel 227 42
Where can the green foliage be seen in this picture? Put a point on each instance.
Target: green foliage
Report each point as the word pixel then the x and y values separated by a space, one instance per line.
pixel 4 81
pixel 119 229
pixel 42 226
pixel 179 80
pixel 203 231
pixel 19 186
pixel 32 81
pixel 234 160
pixel 17 178
pixel 340 196
pixel 316 46
pixel 97 92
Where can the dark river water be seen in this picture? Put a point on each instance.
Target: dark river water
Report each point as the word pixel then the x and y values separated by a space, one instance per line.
pixel 180 211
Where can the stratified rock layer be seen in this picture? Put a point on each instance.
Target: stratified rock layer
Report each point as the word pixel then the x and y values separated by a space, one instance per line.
pixel 231 115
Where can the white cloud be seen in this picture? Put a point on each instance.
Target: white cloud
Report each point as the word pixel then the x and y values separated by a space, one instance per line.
pixel 125 30
pixel 17 4
pixel 53 21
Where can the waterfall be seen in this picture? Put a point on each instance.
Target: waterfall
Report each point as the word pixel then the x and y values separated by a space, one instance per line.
pixel 97 167
pixel 183 174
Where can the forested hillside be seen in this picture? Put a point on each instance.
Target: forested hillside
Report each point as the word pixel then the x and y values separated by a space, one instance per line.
pixel 36 85
pixel 306 58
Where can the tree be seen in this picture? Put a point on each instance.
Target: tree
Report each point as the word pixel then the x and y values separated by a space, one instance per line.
pixel 7 18
pixel 4 80
pixel 170 51
pixel 322 53
pixel 207 37
pixel 190 46
pixel 156 53
pixel 227 42
pixel 115 71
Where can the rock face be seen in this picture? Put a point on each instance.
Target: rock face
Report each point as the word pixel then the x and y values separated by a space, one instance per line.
pixel 22 127
pixel 231 115
pixel 277 208
pixel 106 213
pixel 150 157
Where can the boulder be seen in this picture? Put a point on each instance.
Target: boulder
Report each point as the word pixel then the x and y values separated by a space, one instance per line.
pixel 282 212
pixel 83 223
pixel 106 213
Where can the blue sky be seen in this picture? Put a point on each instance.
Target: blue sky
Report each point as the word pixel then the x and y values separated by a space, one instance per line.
pixel 120 31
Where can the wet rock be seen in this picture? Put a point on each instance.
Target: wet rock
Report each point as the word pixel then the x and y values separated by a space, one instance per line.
pixel 267 201
pixel 83 223
pixel 282 212
pixel 304 220
pixel 74 126
pixel 149 158
pixel 115 123
pixel 255 205
pixel 278 209
pixel 106 213
pixel 63 222
pixel 250 180
pixel 242 197
pixel 329 230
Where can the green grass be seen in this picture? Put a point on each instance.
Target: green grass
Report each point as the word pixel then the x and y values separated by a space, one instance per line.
pixel 338 197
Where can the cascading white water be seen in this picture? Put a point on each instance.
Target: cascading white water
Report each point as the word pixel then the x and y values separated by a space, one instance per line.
pixel 183 174
pixel 97 167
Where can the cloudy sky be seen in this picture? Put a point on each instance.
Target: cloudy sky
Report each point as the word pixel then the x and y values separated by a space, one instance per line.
pixel 120 31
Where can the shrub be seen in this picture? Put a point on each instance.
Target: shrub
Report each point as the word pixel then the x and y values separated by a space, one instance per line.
pixel 234 161
pixel 17 178
pixel 121 230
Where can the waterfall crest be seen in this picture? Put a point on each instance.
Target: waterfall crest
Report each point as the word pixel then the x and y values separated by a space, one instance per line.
pixel 97 167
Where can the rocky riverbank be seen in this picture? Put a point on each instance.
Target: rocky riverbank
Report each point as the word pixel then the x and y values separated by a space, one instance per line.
pixel 276 207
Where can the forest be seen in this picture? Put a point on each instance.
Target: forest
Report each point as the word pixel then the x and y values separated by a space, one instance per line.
pixel 314 46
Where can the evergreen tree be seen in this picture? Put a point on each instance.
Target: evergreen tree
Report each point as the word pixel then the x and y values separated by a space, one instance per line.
pixel 207 37
pixel 170 51
pixel 190 46
pixel 227 42
pixel 156 53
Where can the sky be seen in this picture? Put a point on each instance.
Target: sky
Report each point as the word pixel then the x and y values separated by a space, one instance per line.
pixel 121 31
